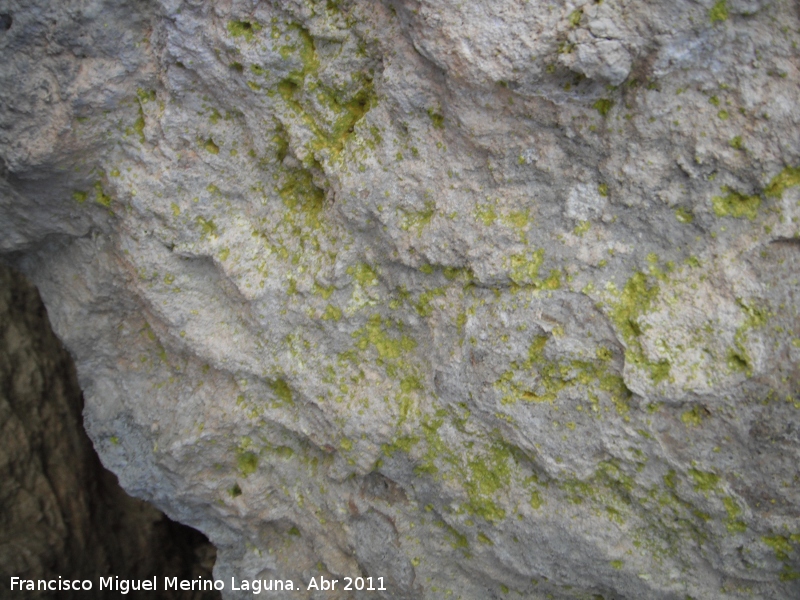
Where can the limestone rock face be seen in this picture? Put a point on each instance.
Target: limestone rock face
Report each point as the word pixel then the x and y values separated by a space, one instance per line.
pixel 478 297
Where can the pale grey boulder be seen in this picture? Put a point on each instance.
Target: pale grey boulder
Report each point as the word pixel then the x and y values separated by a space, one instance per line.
pixel 485 297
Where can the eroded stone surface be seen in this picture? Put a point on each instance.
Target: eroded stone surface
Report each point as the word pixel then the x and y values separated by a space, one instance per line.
pixel 472 296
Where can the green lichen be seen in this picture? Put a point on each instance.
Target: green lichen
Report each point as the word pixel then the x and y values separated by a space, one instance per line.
pixel 330 113
pixel 553 281
pixel 733 524
pixel 247 462
pixel 693 417
pixel 524 268
pixel 581 228
pixel 332 313
pixel 635 300
pixel 390 348
pixel 364 274
pixel 735 204
pixel 555 376
pixel 402 444
pixel 704 481
pixel 718 12
pixel 423 305
pixel 486 214
pixel 101 197
pixel 246 29
pixel 139 124
pixel 282 392
pixel 487 474
pixel 787 178
pixel 781 544
pixel 145 96
pixel 683 215
pixel 207 227
pixel 738 358
pixel 437 119
pixel 603 106
pixel 301 195
pixel 518 220
pixel 419 219
pixel 79 196
pixel 210 146
pixel 484 539
pixel 457 540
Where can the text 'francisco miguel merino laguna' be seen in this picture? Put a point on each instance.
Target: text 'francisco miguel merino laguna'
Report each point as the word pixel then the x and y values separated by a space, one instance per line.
pixel 256 586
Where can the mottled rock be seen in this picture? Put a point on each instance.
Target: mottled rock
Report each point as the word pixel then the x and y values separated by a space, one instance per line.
pixel 478 297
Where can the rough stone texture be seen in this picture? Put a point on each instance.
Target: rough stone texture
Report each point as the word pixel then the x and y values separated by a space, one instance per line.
pixel 63 514
pixel 477 296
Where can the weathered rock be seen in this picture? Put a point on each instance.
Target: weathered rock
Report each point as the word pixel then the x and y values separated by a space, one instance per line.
pixel 475 297
pixel 64 515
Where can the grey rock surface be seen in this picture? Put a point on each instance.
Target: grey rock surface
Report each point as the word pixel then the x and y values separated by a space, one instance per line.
pixel 483 298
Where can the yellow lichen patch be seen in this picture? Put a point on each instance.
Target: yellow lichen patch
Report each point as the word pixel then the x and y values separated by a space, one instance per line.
pixel 332 313
pixel 300 193
pixel 329 113
pixel 635 300
pixel 787 178
pixel 245 29
pixel 364 274
pixel 734 204
pixel 486 214
pixel 694 416
pixel 247 462
pixel 210 146
pixel 552 377
pixel 101 197
pixel 390 348
pixel 704 481
pixel 718 12
pixel 581 228
pixel 683 215
pixel 524 268
pixel 282 392
pixel 207 227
